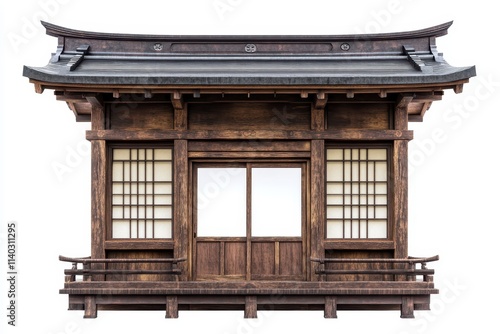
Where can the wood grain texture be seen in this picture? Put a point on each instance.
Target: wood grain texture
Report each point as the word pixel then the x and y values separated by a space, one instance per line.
pixel 98 201
pixel 181 228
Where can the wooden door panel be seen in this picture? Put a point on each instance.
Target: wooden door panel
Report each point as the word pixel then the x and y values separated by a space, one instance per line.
pixel 290 255
pixel 235 258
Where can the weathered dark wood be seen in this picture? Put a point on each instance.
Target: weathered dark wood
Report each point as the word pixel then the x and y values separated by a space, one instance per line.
pixel 359 244
pixel 330 307
pixel 317 229
pixel 250 307
pixel 134 116
pixel 361 135
pixel 407 307
pixel 282 114
pixel 172 309
pixel 408 272
pixel 126 258
pixel 242 287
pixel 409 260
pixel 257 145
pixel 90 307
pixel 400 170
pixel 358 116
pixel 138 244
pixel 249 116
pixel 181 207
pixel 98 201
pixel 141 265
pixel 120 271
pixel 234 258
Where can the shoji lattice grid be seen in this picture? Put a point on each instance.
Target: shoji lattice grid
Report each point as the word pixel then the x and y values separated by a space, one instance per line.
pixel 141 193
pixel 357 192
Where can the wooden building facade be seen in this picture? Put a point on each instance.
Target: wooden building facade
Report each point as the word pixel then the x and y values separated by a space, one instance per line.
pixel 249 172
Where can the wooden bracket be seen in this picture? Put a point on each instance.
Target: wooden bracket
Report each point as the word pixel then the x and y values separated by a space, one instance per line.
pixel 320 100
pixel 95 100
pixel 404 101
pixel 177 100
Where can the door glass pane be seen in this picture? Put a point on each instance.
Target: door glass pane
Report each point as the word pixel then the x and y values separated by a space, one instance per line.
pixel 276 202
pixel 221 202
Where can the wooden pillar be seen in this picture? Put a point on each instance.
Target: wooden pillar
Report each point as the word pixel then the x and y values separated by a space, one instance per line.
pixel 407 307
pixel 98 193
pixel 181 207
pixel 250 307
pixel 400 170
pixel 172 308
pixel 317 234
pixel 330 307
pixel 90 307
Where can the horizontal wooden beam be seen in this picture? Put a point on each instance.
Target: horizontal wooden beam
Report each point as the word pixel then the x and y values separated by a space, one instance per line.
pixel 359 244
pixel 157 135
pixel 253 89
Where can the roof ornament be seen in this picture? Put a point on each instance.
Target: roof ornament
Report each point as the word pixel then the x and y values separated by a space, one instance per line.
pixel 78 58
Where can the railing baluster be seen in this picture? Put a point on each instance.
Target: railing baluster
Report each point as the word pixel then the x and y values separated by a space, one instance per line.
pixel 87 271
pixel 406 268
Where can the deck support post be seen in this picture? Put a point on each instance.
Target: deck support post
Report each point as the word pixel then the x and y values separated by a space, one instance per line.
pixel 172 308
pixel 330 307
pixel 407 307
pixel 250 307
pixel 90 307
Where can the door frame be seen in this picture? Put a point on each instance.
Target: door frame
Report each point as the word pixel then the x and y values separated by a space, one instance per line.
pixel 248 164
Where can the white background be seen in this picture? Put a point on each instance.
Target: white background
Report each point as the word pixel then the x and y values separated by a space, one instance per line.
pixel 454 186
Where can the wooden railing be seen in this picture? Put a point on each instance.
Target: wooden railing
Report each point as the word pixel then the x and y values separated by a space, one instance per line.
pixel 405 267
pixel 87 271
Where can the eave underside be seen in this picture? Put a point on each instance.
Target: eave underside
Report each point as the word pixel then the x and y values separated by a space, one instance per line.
pixel 79 97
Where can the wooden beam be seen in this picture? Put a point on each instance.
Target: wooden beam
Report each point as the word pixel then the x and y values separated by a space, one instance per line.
pixel 160 135
pixel 458 88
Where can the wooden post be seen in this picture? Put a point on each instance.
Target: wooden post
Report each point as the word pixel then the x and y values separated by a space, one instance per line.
pixel 172 308
pixel 317 204
pixel 250 307
pixel 400 170
pixel 330 307
pixel 98 195
pixel 181 207
pixel 98 204
pixel 407 307
pixel 90 307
